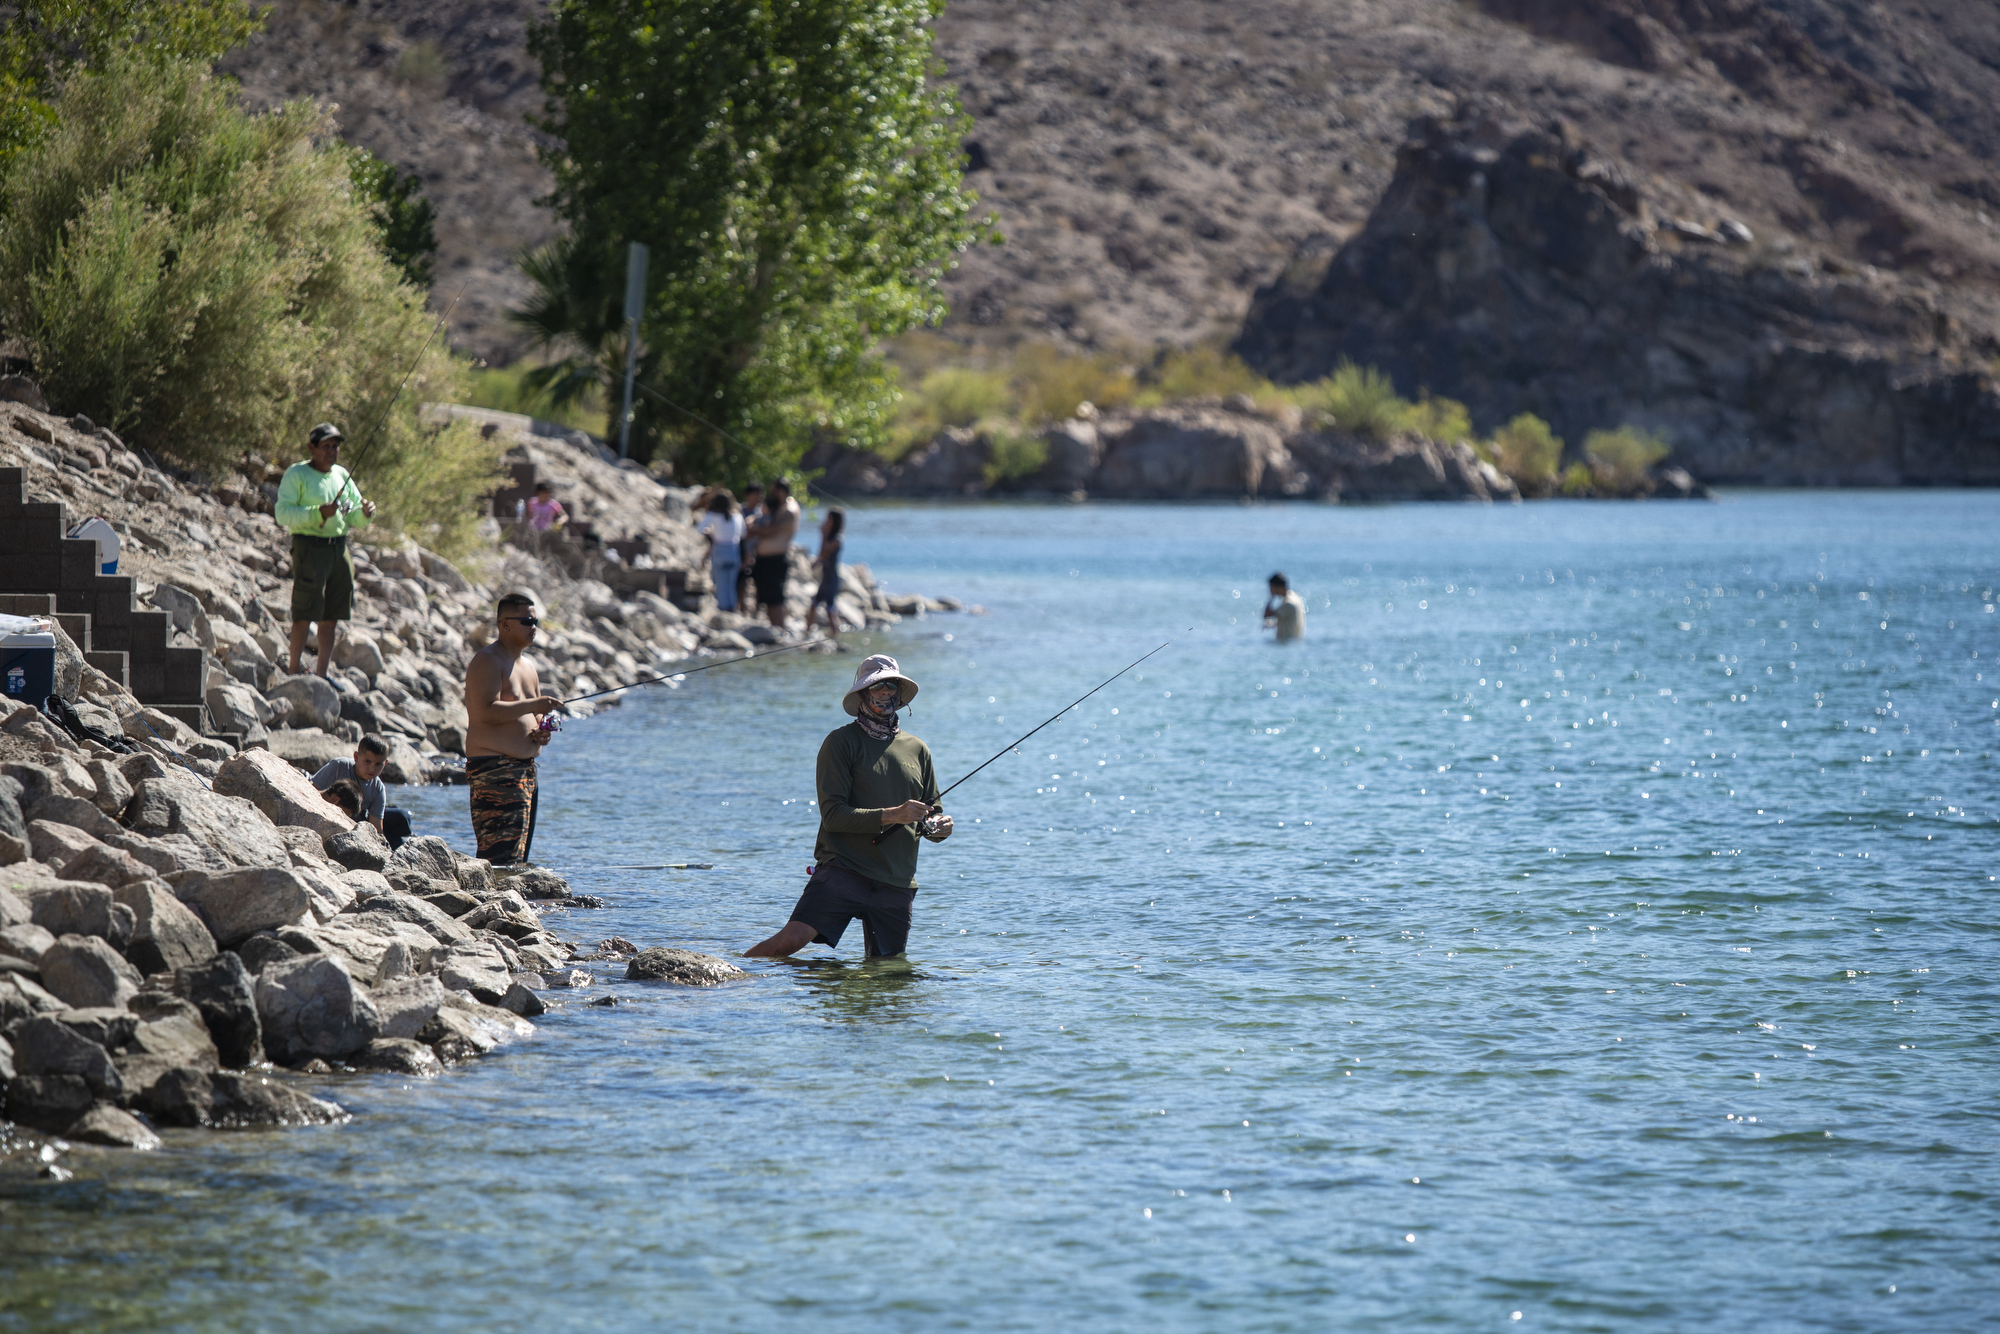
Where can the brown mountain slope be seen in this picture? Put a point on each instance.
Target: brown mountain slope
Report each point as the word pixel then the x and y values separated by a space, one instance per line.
pixel 1152 164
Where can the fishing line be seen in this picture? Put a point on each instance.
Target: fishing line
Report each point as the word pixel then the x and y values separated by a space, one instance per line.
pixel 939 804
pixel 675 676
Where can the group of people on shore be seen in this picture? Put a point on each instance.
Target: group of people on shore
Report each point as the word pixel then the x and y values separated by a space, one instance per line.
pixel 749 551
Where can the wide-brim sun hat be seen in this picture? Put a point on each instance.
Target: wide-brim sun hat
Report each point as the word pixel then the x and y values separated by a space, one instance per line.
pixel 874 670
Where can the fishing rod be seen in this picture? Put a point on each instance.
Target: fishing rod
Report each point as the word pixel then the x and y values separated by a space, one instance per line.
pixel 654 680
pixel 383 420
pixel 939 804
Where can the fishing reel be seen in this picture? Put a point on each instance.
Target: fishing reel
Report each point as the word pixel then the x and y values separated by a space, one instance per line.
pixel 928 826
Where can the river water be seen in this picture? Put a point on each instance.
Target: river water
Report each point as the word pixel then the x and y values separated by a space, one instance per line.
pixel 1589 926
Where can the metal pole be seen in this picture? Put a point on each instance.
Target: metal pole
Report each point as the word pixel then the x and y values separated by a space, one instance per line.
pixel 636 256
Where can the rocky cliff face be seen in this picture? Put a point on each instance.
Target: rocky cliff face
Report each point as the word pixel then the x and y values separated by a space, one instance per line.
pixel 1527 270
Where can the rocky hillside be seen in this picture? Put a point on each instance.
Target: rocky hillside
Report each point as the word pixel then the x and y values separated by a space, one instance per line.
pixel 1527 270
pixel 1153 164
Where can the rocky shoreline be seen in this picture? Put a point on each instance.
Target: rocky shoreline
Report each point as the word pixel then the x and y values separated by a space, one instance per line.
pixel 183 918
pixel 1201 449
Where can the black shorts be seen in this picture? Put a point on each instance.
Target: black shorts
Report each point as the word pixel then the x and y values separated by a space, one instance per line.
pixel 769 572
pixel 836 896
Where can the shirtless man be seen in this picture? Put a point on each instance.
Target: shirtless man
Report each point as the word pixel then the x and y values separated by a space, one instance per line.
pixel 504 705
pixel 773 530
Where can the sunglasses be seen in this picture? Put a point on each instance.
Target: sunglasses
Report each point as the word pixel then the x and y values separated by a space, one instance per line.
pixel 530 621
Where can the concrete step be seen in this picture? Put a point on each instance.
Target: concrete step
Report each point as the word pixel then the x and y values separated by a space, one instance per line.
pixel 27 604
pixel 192 715
pixel 113 663
pixel 77 627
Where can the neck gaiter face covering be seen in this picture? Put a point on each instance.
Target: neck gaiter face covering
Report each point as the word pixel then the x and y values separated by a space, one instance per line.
pixel 880 724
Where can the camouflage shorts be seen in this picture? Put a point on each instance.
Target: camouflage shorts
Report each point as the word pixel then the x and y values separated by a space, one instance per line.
pixel 504 803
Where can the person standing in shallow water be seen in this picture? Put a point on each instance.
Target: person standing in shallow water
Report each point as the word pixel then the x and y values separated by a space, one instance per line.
pixel 1286 610
pixel 872 776
pixel 505 735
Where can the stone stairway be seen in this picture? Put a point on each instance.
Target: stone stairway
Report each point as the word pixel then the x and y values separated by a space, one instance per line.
pixel 43 573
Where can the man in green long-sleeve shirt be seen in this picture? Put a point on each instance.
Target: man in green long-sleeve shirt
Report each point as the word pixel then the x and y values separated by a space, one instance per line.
pixel 319 504
pixel 872 776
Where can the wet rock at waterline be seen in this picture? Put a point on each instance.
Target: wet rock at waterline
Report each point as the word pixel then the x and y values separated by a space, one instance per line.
pixel 685 967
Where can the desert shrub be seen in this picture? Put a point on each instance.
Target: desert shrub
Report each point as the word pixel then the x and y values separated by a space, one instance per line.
pixel 1357 399
pixel 1579 481
pixel 422 65
pixel 958 396
pixel 1199 372
pixel 1443 419
pixel 1527 451
pixel 208 282
pixel 402 214
pixel 510 389
pixel 1015 456
pixel 1620 459
pixel 1050 384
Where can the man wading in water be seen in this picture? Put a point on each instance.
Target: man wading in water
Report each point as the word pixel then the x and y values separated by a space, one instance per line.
pixel 504 734
pixel 871 776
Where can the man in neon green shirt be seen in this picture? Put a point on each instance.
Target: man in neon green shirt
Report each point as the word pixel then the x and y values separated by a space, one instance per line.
pixel 320 505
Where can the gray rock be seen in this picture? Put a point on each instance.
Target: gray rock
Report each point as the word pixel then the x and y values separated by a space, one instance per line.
pixel 409 908
pixel 106 866
pixel 401 1056
pixel 172 1037
pixel 359 849
pixel 235 707
pixel 13 908
pixel 426 855
pixel 284 794
pixel 109 1027
pixel 475 875
pixel 460 1032
pixel 6 1066
pixel 531 882
pixel 663 964
pixel 363 942
pixel 46 1046
pixel 83 971
pixel 396 962
pixel 21 999
pixel 308 748
pixel 314 702
pixel 114 793
pixel 224 993
pixel 478 968
pixel 47 1102
pixel 263 949
pixel 522 1001
pixel 367 884
pixel 311 1007
pixel 229 1101
pixel 113 1127
pixel 236 904
pixel 25 940
pixel 229 826
pixel 180 605
pixel 406 1004
pixel 67 909
pixel 166 935
pixel 453 903
pixel 567 977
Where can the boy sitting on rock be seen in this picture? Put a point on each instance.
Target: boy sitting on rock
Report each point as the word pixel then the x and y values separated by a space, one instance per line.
pixel 365 772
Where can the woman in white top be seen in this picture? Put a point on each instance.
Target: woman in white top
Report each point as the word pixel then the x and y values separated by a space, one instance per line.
pixel 723 527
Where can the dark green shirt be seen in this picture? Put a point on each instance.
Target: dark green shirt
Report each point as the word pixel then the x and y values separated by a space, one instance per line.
pixel 859 778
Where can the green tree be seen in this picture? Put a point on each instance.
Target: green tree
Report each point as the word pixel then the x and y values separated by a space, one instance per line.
pixel 208 283
pixel 403 216
pixel 43 41
pixel 796 169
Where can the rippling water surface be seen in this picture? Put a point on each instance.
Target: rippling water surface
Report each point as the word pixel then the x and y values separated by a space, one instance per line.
pixel 1589 926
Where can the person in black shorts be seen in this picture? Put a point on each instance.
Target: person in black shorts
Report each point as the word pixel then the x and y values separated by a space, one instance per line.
pixel 774 529
pixel 872 776
pixel 830 529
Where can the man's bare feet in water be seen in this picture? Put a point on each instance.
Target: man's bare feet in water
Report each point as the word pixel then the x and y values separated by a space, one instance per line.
pixel 794 937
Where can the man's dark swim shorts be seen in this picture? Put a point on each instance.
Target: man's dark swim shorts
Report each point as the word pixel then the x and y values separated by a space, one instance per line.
pixel 836 896
pixel 769 573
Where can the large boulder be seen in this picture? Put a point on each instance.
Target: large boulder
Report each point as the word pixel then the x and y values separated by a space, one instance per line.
pixel 114 792
pixel 237 904
pixel 464 1028
pixel 426 855
pixel 25 941
pixel 21 999
pixel 235 707
pixel 1189 452
pixel 47 1046
pixel 108 866
pixel 689 969
pixel 48 1102
pixel 312 1007
pixel 166 935
pixel 407 1004
pixel 171 1036
pixel 111 1127
pixel 359 849
pixel 478 968
pixel 68 908
pixel 223 991
pixel 404 764
pixel 362 941
pixel 415 911
pixel 313 700
pixel 231 827
pixel 229 1101
pixel 398 1056
pixel 309 748
pixel 281 792
pixel 13 823
pixel 13 908
pixel 83 971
